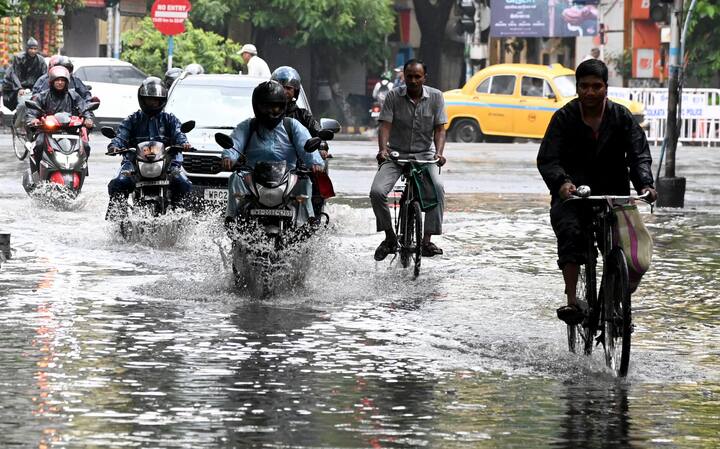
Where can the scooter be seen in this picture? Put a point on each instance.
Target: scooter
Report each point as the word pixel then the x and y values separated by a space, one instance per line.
pixel 64 160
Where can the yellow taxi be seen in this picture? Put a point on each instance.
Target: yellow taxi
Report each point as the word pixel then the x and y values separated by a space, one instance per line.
pixel 513 100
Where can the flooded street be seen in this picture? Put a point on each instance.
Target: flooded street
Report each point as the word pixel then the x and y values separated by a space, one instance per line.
pixel 110 344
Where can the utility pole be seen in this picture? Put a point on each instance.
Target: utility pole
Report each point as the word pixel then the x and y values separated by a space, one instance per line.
pixel 116 40
pixel 108 50
pixel 671 189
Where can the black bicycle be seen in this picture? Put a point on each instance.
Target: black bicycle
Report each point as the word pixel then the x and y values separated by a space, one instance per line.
pixel 409 222
pixel 608 312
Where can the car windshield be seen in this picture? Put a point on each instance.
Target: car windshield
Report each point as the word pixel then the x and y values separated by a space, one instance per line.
pixel 566 85
pixel 214 106
pixel 211 106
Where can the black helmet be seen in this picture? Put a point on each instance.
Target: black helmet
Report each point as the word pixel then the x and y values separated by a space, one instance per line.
pixel 152 87
pixel 287 76
pixel 269 102
pixel 65 62
pixel 194 69
pixel 32 42
pixel 171 75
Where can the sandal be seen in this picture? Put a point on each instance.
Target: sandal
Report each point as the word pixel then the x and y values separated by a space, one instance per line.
pixel 571 314
pixel 430 249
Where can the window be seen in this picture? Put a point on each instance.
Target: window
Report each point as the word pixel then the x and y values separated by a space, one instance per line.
pixel 97 74
pixel 484 87
pixel 502 85
pixel 127 75
pixel 566 85
pixel 534 87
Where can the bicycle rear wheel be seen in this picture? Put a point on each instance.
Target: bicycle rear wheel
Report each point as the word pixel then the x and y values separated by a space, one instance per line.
pixel 580 335
pixel 416 218
pixel 617 313
pixel 18 143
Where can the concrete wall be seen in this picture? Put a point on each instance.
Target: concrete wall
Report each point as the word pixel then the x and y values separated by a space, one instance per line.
pixel 81 32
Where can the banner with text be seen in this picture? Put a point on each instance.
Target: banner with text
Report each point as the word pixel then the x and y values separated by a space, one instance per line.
pixel 542 18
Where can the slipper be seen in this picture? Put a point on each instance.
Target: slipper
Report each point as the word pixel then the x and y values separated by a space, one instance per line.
pixel 571 314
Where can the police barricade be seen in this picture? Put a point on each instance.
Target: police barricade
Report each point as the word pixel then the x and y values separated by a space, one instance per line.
pixel 700 113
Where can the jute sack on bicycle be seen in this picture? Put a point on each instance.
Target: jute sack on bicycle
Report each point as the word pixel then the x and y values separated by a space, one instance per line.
pixel 425 187
pixel 635 240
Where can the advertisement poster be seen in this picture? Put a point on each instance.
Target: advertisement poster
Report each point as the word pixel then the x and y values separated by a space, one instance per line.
pixel 542 18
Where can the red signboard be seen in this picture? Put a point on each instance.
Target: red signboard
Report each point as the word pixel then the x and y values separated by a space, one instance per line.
pixel 169 16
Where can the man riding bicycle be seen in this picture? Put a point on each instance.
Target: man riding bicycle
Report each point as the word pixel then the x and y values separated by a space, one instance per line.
pixel 595 142
pixel 413 117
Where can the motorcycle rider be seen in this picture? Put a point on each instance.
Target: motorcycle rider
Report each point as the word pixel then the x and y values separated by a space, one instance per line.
pixel 382 88
pixel 75 83
pixel 149 123
pixel 270 136
pixel 289 78
pixel 58 98
pixel 25 68
pixel 194 69
pixel 171 75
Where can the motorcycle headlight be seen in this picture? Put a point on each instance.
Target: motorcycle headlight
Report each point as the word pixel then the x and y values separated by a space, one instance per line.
pixel 72 159
pixel 270 196
pixel 150 169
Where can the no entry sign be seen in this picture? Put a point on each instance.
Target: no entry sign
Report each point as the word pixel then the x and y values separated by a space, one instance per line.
pixel 169 16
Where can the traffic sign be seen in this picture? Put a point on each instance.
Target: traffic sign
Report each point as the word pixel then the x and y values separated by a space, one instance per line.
pixel 169 16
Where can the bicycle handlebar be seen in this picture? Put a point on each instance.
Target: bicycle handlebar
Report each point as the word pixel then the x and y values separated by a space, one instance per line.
pixel 642 197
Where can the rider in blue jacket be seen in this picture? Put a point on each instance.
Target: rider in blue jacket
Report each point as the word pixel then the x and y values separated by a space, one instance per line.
pixel 269 137
pixel 149 123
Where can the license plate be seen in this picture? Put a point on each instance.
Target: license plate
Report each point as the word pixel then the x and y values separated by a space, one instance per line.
pixel 152 183
pixel 272 212
pixel 215 194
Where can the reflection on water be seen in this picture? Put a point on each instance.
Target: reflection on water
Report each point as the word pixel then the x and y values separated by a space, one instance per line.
pixel 107 343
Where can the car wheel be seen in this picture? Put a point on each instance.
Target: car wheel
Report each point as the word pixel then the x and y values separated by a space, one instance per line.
pixel 467 131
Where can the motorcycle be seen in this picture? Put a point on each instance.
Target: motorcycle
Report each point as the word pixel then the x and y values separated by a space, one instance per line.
pixel 152 181
pixel 267 232
pixel 64 161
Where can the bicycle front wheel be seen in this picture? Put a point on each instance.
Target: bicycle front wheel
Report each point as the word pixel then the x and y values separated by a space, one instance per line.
pixel 617 314
pixel 580 335
pixel 416 218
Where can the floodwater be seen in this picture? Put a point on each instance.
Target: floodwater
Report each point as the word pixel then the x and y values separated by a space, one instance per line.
pixel 112 344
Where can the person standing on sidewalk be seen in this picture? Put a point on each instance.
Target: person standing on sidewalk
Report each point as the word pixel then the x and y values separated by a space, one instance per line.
pixel 412 119
pixel 255 64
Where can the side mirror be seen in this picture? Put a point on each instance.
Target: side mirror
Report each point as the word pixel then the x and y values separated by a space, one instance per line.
pixel 187 126
pixel 92 106
pixel 326 134
pixel 108 132
pixel 224 141
pixel 330 125
pixel 551 96
pixel 33 105
pixel 88 87
pixel 313 144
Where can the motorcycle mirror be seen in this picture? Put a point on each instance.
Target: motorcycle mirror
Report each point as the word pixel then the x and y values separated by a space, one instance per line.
pixel 33 105
pixel 187 126
pixel 108 132
pixel 224 141
pixel 88 87
pixel 330 125
pixel 92 106
pixel 326 134
pixel 313 144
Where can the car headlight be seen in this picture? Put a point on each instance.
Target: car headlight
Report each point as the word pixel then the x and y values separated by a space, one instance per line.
pixel 151 169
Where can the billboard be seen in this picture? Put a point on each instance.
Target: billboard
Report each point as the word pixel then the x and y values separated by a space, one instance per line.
pixel 543 18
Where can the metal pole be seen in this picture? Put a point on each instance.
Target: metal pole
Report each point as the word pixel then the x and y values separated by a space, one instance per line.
pixel 671 130
pixel 171 46
pixel 468 61
pixel 108 50
pixel 116 50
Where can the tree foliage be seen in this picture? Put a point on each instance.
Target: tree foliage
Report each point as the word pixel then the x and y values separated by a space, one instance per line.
pixel 23 8
pixel 348 28
pixel 703 41
pixel 146 48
